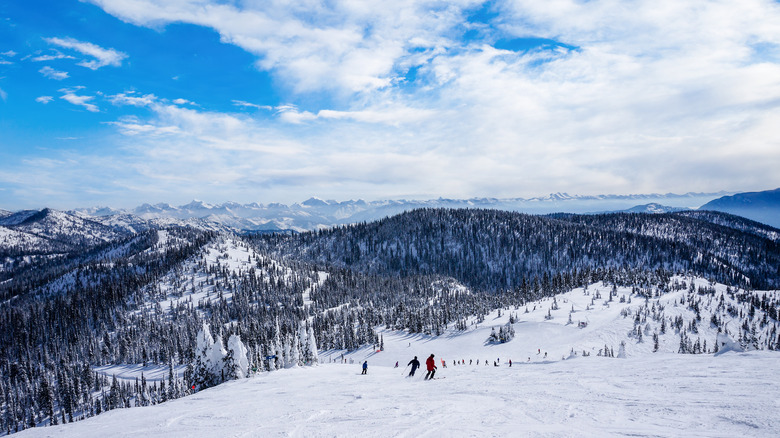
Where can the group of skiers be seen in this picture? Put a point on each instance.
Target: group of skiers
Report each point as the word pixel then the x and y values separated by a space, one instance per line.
pixel 430 364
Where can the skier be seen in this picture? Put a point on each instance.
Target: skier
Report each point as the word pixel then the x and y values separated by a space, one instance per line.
pixel 396 364
pixel 431 365
pixel 365 367
pixel 510 363
pixel 415 364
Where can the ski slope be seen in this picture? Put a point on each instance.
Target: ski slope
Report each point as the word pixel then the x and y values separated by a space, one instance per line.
pixel 573 391
pixel 735 394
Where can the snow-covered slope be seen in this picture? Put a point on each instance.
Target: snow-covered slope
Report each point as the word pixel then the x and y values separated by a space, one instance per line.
pixel 599 378
pixel 197 280
pixel 662 396
pixel 61 227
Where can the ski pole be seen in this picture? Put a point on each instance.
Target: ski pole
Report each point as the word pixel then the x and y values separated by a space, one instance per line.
pixel 404 371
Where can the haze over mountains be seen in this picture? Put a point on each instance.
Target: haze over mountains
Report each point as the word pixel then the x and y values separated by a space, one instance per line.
pixel 760 206
pixel 315 213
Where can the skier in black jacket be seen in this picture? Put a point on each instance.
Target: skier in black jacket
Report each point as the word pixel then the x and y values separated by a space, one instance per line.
pixel 415 364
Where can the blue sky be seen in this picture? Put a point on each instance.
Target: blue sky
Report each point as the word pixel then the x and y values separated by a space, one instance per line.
pixel 120 102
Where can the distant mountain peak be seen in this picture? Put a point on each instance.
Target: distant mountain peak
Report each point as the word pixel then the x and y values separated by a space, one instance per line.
pixel 762 206
pixel 654 208
pixel 315 202
pixel 196 205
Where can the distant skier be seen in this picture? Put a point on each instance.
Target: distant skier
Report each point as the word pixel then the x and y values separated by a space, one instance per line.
pixel 415 364
pixel 431 365
pixel 396 364
pixel 365 367
pixel 510 363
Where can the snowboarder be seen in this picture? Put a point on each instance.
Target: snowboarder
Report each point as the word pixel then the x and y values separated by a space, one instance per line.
pixel 365 367
pixel 415 364
pixel 431 365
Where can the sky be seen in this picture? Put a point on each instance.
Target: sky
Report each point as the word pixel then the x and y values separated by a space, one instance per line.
pixel 121 102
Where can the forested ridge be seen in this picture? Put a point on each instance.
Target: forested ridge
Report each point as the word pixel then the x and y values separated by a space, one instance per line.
pixel 497 250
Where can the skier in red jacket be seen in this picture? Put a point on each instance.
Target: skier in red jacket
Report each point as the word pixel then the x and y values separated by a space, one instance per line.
pixel 431 364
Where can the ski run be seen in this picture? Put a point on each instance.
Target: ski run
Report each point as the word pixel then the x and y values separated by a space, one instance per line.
pixel 589 362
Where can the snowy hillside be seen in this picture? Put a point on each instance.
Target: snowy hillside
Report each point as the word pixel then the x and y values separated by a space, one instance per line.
pixel 559 383
pixel 203 278
pixel 52 228
pixel 659 396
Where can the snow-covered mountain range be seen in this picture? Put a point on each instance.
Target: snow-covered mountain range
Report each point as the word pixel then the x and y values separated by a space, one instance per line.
pixel 315 213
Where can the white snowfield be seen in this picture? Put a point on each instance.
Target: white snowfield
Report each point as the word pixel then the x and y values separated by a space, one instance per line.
pixel 732 395
pixel 646 394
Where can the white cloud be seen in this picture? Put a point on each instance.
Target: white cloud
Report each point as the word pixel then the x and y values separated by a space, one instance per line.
pixel 53 74
pixel 3 94
pixel 51 57
pixel 343 46
pixel 654 96
pixel 241 103
pixel 130 99
pixel 9 53
pixel 181 101
pixel 78 100
pixel 102 57
pixel 44 99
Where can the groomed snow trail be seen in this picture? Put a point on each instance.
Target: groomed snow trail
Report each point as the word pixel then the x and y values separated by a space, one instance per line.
pixel 735 394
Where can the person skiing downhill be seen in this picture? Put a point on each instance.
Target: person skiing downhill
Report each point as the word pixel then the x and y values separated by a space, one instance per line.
pixel 415 364
pixel 365 367
pixel 431 365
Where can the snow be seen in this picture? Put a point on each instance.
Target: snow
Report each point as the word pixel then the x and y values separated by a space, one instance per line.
pixel 225 252
pixel 563 394
pixel 665 395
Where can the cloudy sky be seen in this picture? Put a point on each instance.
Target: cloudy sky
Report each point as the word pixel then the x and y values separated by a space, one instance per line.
pixel 119 102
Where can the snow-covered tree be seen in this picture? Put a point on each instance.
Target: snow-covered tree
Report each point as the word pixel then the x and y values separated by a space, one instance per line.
pixel 236 363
